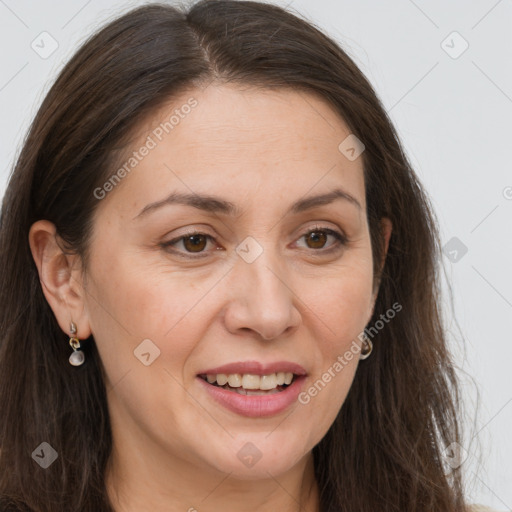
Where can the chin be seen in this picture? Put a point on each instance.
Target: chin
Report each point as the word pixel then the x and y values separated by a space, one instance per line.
pixel 259 457
pixel 260 471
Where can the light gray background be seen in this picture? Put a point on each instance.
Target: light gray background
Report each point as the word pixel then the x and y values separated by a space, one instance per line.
pixel 454 116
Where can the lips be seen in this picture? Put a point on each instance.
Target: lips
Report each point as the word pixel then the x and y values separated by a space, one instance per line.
pixel 246 399
pixel 262 404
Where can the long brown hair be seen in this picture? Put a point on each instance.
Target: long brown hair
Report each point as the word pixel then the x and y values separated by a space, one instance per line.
pixel 384 451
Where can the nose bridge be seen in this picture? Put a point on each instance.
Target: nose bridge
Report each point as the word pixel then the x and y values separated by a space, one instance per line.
pixel 263 300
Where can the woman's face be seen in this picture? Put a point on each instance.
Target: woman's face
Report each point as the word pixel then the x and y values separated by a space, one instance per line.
pixel 244 264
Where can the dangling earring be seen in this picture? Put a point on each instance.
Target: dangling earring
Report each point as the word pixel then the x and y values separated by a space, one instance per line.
pixel 367 348
pixel 77 357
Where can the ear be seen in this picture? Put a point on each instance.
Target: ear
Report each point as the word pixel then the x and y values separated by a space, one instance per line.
pixel 59 274
pixel 386 227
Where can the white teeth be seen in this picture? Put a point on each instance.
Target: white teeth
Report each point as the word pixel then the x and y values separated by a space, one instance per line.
pixel 251 382
pixel 268 381
pixel 222 379
pixel 235 381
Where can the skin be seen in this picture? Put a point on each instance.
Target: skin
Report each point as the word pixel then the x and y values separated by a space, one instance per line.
pixel 174 448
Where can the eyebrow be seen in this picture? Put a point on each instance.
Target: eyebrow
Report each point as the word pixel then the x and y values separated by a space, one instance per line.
pixel 213 204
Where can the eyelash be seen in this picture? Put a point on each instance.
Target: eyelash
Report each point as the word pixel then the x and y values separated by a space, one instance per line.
pixel 341 239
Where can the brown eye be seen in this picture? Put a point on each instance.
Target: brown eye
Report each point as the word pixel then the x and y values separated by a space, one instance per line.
pixel 192 243
pixel 316 239
pixel 195 243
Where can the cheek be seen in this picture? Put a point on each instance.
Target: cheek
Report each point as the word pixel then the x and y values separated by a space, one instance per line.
pixel 133 296
pixel 134 312
pixel 342 314
pixel 131 302
pixel 343 305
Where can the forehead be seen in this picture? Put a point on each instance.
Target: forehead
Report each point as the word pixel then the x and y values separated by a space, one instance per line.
pixel 239 142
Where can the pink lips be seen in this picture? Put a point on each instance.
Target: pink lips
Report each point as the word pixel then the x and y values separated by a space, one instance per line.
pixel 255 405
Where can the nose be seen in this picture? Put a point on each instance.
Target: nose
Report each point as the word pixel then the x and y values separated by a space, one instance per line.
pixel 261 298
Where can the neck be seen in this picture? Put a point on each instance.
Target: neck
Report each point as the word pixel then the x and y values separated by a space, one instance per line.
pixel 141 480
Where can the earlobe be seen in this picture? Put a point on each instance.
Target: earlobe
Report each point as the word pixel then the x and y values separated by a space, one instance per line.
pixel 60 281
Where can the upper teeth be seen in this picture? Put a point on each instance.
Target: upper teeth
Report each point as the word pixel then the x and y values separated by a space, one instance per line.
pixel 249 381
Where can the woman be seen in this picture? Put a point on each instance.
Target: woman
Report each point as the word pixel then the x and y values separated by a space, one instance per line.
pixel 219 282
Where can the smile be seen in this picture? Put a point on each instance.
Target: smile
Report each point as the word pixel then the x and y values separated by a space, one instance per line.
pixel 250 384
